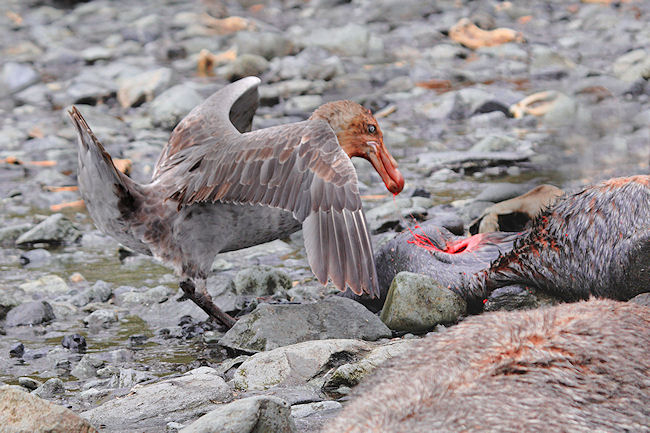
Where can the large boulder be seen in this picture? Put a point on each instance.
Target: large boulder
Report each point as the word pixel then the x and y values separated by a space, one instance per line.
pixel 24 412
pixel 272 326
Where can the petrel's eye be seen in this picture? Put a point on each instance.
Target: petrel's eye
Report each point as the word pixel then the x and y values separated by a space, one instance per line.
pixel 372 129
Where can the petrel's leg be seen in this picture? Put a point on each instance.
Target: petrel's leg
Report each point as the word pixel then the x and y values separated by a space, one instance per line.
pixel 203 299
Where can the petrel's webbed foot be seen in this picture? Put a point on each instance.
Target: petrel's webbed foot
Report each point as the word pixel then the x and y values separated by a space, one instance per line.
pixel 202 299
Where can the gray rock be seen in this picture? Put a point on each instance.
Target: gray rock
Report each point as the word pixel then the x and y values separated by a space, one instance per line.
pixel 50 388
pixel 29 383
pixel 168 108
pixel 36 257
pixel 562 112
pixel 8 300
pixel 311 417
pixel 55 229
pixel 128 377
pixel 30 313
pixel 633 65
pixel 302 103
pixel 87 367
pixel 95 53
pixel 48 285
pixel 501 191
pixel 243 66
pixel 349 375
pixel 429 162
pixel 101 291
pixel 417 303
pixel 150 407
pixel 495 143
pixel 143 87
pixel 349 40
pixel 294 365
pixel 37 415
pixel 101 318
pixel 8 235
pixel 248 415
pixel 272 326
pixel 260 281
pixel 154 295
pixel 17 76
pixel 265 44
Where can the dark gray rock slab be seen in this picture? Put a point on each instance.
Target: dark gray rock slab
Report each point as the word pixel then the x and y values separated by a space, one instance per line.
pixel 271 326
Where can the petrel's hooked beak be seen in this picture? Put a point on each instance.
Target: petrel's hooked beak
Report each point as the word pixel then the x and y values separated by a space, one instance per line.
pixel 385 165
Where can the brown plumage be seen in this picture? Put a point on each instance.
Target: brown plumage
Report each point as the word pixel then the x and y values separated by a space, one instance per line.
pixel 218 188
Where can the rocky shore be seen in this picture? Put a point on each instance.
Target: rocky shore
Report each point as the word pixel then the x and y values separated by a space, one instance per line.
pixel 93 337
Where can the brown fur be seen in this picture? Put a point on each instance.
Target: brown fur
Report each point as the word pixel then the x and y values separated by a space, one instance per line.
pixel 581 367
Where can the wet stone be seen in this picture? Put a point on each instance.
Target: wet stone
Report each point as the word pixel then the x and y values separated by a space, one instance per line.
pixel 101 318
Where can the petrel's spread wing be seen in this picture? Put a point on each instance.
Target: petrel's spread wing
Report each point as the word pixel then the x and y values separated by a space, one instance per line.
pixel 298 167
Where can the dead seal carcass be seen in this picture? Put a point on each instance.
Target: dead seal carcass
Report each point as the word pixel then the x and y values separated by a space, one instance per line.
pixel 580 367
